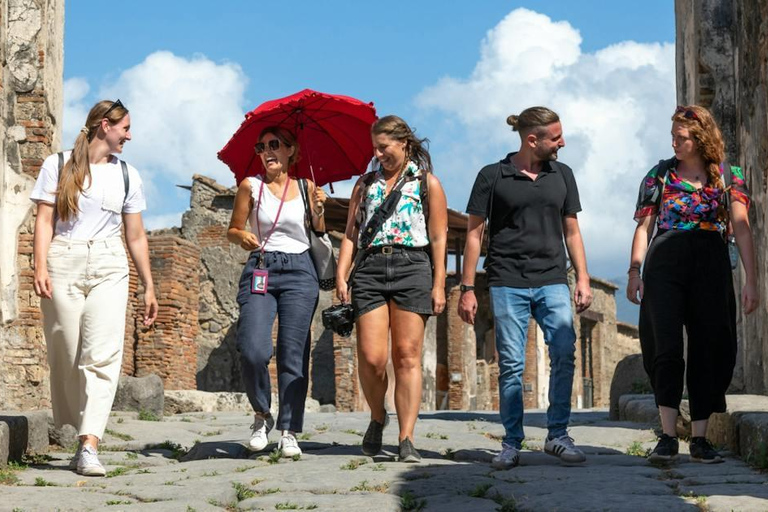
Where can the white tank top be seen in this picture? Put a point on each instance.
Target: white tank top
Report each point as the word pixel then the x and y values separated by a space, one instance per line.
pixel 290 235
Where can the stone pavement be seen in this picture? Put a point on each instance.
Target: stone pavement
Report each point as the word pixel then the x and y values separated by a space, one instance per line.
pixel 150 468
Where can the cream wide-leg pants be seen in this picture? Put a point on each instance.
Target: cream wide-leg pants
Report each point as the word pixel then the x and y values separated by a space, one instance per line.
pixel 84 326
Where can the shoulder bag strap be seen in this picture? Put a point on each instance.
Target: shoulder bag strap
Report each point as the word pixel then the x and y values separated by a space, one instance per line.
pixel 126 179
pixel 304 190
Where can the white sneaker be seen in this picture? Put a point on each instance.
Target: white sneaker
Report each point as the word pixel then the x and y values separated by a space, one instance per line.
pixel 289 445
pixel 564 448
pixel 89 464
pixel 508 457
pixel 259 430
pixel 74 460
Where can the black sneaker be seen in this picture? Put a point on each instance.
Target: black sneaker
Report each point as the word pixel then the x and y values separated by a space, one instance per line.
pixel 372 437
pixel 407 452
pixel 702 451
pixel 666 449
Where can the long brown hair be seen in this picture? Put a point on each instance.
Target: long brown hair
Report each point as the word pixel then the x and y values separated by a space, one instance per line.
pixel 415 149
pixel 73 175
pixel 703 129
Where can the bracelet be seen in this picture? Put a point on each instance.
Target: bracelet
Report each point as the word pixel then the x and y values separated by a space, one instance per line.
pixel 319 211
pixel 633 267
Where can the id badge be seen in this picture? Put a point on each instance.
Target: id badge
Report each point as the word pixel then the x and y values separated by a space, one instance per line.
pixel 259 281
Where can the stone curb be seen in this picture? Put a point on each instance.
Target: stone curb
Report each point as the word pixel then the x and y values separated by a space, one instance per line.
pixel 743 428
pixel 22 432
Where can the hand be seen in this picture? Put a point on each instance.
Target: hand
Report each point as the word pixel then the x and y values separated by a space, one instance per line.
pixel 319 196
pixel 635 289
pixel 749 298
pixel 342 290
pixel 582 295
pixel 468 307
pixel 249 241
pixel 43 288
pixel 150 307
pixel 438 299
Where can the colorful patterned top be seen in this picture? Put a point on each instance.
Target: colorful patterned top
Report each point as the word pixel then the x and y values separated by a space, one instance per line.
pixel 407 225
pixel 686 207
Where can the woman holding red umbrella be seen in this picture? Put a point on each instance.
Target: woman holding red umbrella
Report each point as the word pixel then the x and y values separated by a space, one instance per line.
pixel 278 279
pixel 399 274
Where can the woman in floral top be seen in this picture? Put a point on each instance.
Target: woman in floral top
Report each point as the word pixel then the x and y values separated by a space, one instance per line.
pixel 686 280
pixel 399 279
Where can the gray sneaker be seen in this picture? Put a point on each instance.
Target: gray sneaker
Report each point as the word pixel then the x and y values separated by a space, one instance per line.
pixel 563 448
pixel 508 457
pixel 89 464
pixel 372 438
pixel 407 452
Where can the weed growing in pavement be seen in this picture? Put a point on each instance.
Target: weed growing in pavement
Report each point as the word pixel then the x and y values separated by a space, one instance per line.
pixel 759 458
pixel 144 472
pixel 212 473
pixel 409 502
pixel 435 435
pixel 132 455
pixel 354 464
pixel 378 467
pixel 145 415
pixel 117 472
pixel 42 482
pixel 177 450
pixel 449 454
pixel 293 506
pixel 119 502
pixel 119 435
pixel 636 449
pixel 322 428
pixel 494 437
pixel 274 456
pixel 8 477
pixel 505 504
pixel 243 469
pixel 304 436
pixel 271 490
pixel 243 491
pixel 120 420
pixel 37 459
pixel 353 432
pixel 480 490
pixel 188 420
pixel 296 457
pixel 364 486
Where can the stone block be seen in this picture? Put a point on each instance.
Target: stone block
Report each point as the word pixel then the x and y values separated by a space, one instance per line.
pixel 5 440
pixel 629 377
pixel 753 436
pixel 27 433
pixel 724 429
pixel 139 394
pixel 189 400
pixel 638 408
pixel 64 436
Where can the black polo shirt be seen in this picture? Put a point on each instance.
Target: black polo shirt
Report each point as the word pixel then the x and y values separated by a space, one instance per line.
pixel 526 235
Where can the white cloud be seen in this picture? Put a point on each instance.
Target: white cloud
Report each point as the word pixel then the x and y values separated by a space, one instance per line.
pixel 183 111
pixel 615 106
pixel 163 221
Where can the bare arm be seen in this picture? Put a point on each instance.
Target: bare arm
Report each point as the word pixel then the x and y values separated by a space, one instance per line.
pixel 237 233
pixel 438 235
pixel 582 295
pixel 743 234
pixel 136 239
pixel 44 228
pixel 468 301
pixel 348 242
pixel 639 247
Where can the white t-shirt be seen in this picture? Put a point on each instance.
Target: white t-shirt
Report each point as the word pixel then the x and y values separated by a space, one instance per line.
pixel 290 234
pixel 101 203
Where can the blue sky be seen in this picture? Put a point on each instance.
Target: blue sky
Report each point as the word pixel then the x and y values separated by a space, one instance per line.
pixel 455 70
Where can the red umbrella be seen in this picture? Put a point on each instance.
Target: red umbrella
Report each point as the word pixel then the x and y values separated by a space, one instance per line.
pixel 334 134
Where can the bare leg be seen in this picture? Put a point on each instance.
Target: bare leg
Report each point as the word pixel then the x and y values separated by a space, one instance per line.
pixel 699 428
pixel 668 420
pixel 372 356
pixel 407 341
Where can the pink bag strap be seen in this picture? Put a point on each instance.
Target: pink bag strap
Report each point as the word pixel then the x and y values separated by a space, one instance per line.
pixel 277 217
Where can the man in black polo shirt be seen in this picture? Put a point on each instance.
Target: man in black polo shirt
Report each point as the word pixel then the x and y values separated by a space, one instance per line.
pixel 530 201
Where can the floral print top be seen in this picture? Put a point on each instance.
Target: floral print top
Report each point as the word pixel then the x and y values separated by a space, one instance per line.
pixel 683 206
pixel 407 225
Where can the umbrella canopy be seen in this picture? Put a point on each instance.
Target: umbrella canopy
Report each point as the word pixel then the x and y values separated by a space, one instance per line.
pixel 334 135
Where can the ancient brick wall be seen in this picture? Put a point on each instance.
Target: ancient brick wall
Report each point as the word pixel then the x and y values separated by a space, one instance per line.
pixel 31 59
pixel 168 348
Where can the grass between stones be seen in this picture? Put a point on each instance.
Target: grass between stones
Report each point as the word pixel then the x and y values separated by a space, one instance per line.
pixel 636 449
pixel 364 486
pixel 435 435
pixel 293 506
pixel 119 435
pixel 148 416
pixel 354 464
pixel 759 457
pixel 410 503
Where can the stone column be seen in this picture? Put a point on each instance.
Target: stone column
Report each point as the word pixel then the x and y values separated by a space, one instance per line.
pixel 31 83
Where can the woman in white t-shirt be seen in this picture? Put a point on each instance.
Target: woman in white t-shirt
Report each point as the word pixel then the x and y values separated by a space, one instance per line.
pixel 84 197
pixel 280 280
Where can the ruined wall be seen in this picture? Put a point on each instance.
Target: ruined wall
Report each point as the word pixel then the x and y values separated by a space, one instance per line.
pixel 721 64
pixel 31 83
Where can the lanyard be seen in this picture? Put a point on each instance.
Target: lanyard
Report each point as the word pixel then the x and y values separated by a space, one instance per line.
pixel 274 224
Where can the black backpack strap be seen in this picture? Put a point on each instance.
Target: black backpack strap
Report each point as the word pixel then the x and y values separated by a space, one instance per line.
pixel 61 160
pixel 126 179
pixel 304 190
pixel 424 198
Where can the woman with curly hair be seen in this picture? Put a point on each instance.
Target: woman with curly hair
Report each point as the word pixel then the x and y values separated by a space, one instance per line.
pixel 694 202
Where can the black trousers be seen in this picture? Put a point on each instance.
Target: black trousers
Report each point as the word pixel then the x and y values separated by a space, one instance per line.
pixel 688 284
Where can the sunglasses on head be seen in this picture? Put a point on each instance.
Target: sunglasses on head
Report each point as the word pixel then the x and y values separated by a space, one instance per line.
pixel 261 147
pixel 116 104
pixel 687 113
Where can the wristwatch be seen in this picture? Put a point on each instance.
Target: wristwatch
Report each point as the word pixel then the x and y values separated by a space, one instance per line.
pixel 466 287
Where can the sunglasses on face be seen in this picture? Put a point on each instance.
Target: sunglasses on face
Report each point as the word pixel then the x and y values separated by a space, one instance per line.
pixel 116 104
pixel 687 113
pixel 261 147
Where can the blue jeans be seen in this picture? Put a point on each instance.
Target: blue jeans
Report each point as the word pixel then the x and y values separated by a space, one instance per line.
pixel 512 309
pixel 292 292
